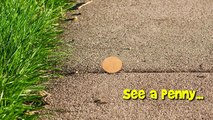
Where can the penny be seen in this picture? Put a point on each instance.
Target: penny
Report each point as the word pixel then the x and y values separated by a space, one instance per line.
pixel 112 64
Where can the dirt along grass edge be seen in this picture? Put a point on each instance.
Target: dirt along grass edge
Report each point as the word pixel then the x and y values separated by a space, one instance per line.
pixel 29 46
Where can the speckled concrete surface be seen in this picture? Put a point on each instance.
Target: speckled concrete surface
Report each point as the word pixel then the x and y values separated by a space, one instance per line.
pixel 162 43
pixel 99 97
pixel 148 35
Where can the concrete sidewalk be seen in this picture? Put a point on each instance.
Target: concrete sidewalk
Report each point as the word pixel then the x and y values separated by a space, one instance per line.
pixel 99 97
pixel 164 44
pixel 165 35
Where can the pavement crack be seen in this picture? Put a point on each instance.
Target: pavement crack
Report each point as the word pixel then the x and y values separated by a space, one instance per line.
pixel 127 72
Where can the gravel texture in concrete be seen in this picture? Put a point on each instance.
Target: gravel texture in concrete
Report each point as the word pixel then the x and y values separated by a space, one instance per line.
pixel 164 44
pixel 148 35
pixel 99 97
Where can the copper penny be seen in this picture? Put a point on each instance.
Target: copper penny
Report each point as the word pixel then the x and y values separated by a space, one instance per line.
pixel 112 64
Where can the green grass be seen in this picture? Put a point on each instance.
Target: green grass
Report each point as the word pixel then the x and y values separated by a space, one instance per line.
pixel 28 54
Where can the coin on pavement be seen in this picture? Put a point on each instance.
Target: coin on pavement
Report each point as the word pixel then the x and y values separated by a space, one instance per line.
pixel 112 64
